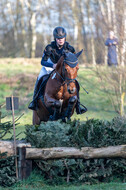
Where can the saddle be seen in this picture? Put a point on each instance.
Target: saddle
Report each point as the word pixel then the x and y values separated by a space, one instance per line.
pixel 41 89
pixel 41 84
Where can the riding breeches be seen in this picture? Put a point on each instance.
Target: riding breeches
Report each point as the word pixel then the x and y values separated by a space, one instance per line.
pixel 44 71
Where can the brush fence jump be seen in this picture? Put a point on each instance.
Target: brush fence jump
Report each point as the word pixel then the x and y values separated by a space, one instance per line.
pixel 26 154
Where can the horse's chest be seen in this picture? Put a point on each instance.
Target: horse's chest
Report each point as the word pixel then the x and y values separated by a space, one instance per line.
pixel 59 94
pixel 63 93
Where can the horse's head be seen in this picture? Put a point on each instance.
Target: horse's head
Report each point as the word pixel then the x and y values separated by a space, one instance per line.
pixel 67 67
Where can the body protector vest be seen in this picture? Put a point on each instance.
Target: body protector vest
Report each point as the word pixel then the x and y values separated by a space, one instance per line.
pixel 54 53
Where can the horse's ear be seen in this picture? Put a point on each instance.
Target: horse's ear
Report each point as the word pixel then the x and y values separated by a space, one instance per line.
pixel 79 53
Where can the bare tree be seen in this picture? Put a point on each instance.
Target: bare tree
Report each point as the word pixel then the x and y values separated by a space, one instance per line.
pixel 91 26
pixel 113 82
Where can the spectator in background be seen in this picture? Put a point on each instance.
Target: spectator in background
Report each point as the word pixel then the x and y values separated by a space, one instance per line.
pixel 112 42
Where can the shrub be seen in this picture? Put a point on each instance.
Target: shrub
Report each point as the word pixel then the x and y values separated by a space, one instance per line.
pixel 7 170
pixel 92 133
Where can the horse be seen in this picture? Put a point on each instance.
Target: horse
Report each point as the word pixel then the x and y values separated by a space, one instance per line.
pixel 60 92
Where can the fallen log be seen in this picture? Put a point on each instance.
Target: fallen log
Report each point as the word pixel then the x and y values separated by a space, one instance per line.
pixel 8 146
pixel 71 152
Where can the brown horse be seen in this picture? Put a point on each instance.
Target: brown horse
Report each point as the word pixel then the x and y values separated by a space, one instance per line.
pixel 60 94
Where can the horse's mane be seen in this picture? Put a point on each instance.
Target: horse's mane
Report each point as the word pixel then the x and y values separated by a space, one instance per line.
pixel 60 61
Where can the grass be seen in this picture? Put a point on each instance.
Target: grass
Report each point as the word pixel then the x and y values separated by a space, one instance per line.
pixel 110 186
pixel 36 182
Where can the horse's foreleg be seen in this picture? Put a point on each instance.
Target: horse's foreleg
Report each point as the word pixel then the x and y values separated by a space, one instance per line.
pixel 54 104
pixel 57 105
pixel 69 110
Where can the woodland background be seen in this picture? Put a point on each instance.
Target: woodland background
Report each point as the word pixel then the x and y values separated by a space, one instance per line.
pixel 27 26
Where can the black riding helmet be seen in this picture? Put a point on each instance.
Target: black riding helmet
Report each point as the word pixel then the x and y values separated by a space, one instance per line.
pixel 59 32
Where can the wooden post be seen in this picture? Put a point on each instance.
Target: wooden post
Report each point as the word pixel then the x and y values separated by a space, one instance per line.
pixel 24 166
pixel 15 149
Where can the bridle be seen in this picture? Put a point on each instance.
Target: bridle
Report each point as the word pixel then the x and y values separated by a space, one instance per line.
pixel 65 79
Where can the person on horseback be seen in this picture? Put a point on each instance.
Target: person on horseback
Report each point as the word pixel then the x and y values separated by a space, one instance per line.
pixel 51 55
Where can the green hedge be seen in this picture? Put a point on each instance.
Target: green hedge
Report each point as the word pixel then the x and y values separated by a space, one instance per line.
pixel 7 164
pixel 7 170
pixel 92 133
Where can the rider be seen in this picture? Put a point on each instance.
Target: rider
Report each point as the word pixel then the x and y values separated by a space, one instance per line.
pixel 51 55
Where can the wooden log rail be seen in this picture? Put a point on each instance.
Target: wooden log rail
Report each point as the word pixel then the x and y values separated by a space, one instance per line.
pixel 65 152
pixel 8 146
pixel 70 152
pixel 26 154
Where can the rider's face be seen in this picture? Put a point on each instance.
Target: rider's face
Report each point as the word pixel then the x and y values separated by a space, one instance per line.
pixel 61 41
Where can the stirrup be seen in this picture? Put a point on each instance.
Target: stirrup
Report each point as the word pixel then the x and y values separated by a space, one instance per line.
pixel 81 110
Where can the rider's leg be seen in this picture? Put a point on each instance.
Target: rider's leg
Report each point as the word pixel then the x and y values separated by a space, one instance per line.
pixel 32 105
pixel 79 109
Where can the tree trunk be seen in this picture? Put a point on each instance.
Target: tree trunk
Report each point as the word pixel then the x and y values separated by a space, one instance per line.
pixel 92 36
pixel 75 17
pixel 78 26
pixel 70 152
pixel 34 36
pixel 10 14
pixel 24 34
pixel 108 3
pixel 123 52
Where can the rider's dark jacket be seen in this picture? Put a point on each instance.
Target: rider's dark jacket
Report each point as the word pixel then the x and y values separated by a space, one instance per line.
pixel 53 53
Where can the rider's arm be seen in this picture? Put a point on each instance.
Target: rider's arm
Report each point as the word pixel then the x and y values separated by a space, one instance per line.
pixel 46 61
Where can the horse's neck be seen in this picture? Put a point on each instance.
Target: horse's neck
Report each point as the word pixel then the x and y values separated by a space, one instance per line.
pixel 59 64
pixel 59 69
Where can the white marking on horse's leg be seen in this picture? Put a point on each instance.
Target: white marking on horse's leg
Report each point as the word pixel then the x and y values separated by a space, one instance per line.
pixel 61 101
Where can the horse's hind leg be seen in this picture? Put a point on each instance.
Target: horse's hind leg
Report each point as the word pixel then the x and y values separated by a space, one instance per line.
pixel 35 119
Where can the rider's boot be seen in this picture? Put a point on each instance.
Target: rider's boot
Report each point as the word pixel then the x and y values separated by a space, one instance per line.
pixel 33 105
pixel 79 109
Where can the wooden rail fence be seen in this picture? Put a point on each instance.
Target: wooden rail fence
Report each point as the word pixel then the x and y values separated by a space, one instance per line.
pixel 26 154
